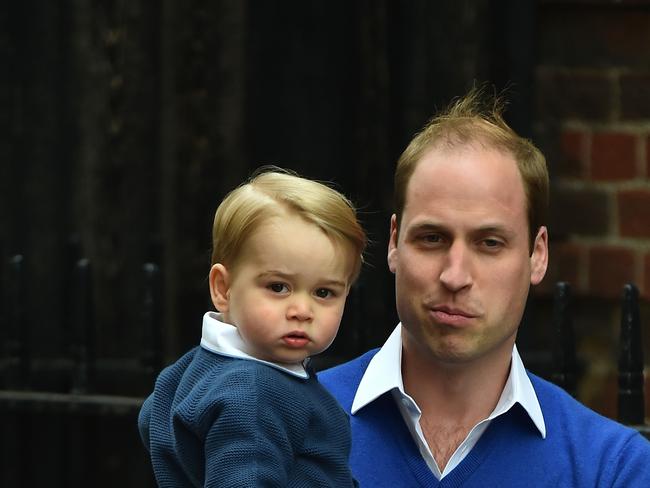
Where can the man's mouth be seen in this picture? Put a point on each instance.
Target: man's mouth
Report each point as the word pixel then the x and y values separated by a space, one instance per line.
pixel 452 316
pixel 454 311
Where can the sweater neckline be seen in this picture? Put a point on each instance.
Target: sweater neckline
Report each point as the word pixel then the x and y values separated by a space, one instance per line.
pixel 460 474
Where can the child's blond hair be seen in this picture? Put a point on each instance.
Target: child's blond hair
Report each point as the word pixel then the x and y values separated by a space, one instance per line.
pixel 272 191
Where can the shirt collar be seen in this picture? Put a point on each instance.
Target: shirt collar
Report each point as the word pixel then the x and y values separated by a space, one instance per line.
pixel 384 373
pixel 224 339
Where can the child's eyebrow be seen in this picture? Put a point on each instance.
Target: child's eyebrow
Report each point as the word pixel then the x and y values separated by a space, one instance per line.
pixel 272 273
pixel 340 283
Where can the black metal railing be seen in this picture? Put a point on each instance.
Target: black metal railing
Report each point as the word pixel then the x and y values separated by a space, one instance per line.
pixel 631 407
pixel 564 359
pixel 75 404
pixel 81 408
pixel 16 366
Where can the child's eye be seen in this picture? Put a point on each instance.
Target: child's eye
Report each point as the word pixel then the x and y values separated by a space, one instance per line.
pixel 278 287
pixel 324 293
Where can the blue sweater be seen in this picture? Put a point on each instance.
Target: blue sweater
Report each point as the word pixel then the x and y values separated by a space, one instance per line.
pixel 222 422
pixel 581 449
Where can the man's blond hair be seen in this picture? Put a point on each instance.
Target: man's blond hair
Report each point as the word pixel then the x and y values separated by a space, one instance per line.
pixel 477 118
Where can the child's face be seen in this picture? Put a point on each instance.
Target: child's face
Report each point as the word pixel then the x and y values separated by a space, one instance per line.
pixel 287 293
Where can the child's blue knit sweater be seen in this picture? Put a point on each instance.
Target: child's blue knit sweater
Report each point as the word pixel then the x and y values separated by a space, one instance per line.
pixel 581 448
pixel 222 422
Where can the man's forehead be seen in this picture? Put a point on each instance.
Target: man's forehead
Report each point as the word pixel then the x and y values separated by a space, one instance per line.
pixel 476 163
pixel 480 185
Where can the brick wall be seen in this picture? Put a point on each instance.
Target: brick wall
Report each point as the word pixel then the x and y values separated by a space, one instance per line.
pixel 593 119
pixel 601 207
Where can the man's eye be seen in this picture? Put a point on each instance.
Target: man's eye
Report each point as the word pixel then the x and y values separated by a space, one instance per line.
pixel 491 243
pixel 432 238
pixel 278 287
pixel 324 293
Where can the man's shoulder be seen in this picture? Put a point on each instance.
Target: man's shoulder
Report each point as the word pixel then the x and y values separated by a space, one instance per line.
pixel 342 380
pixel 595 446
pixel 348 370
pixel 554 400
pixel 558 405
pixel 571 417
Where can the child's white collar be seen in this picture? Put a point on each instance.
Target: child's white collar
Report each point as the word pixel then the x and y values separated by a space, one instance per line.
pixel 222 338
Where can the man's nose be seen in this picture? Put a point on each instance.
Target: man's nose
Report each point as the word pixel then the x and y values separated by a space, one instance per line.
pixel 456 273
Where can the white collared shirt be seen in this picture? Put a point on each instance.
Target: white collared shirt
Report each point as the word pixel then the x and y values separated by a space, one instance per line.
pixel 384 374
pixel 222 338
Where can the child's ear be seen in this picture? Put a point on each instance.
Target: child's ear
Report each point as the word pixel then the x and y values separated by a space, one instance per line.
pixel 220 287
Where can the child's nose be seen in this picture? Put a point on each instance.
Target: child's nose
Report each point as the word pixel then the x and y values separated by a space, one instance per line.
pixel 300 309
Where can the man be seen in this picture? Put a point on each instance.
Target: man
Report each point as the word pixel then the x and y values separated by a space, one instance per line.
pixel 447 401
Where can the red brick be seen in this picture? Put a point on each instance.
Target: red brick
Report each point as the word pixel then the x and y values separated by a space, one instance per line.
pixel 565 94
pixel 635 96
pixel 609 269
pixel 582 33
pixel 634 213
pixel 572 153
pixel 647 157
pixel 645 290
pixel 583 211
pixel 613 156
pixel 564 264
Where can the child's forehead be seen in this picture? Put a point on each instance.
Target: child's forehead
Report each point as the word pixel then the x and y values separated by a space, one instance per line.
pixel 284 230
pixel 282 238
pixel 289 221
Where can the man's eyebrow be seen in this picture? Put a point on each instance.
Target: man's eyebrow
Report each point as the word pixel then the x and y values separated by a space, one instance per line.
pixel 489 228
pixel 494 229
pixel 428 226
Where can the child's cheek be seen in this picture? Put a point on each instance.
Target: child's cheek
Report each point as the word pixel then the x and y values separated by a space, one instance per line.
pixel 265 312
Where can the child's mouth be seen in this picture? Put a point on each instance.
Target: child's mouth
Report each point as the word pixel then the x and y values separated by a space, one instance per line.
pixel 296 339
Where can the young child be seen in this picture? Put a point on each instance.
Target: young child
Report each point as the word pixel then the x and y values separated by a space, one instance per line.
pixel 243 409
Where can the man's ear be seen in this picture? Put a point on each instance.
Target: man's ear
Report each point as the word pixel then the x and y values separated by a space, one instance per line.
pixel 392 244
pixel 220 287
pixel 539 257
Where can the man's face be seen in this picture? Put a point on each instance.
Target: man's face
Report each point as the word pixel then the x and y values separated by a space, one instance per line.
pixel 461 257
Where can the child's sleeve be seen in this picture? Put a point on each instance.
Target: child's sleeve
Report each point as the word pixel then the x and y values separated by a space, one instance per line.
pixel 143 421
pixel 252 435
